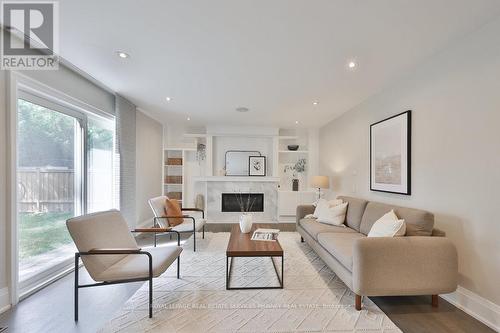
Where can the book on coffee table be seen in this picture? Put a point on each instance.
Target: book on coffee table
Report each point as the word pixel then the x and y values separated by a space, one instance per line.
pixel 265 234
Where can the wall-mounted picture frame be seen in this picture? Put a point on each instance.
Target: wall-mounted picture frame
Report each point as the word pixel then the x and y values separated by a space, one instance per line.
pixel 390 154
pixel 257 166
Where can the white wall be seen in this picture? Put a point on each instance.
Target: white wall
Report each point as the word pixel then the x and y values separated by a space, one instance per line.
pixel 149 147
pixel 3 181
pixel 455 98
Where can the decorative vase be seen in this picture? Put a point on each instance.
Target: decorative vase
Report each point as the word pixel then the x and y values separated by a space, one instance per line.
pixel 295 185
pixel 245 223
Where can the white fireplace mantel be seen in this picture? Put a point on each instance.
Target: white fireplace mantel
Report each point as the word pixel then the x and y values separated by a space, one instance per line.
pixel 255 179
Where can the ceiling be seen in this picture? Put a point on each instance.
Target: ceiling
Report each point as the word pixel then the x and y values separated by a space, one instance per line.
pixel 274 57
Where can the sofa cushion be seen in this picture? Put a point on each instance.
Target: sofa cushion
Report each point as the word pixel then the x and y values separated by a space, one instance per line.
pixel 340 245
pixel 355 211
pixel 313 228
pixel 418 222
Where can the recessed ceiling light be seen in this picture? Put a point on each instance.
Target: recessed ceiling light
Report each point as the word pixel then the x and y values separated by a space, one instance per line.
pixel 188 119
pixel 315 103
pixel 352 64
pixel 168 99
pixel 242 109
pixel 123 55
pixel 296 122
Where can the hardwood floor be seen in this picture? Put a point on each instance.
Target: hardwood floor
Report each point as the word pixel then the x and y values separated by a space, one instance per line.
pixel 51 309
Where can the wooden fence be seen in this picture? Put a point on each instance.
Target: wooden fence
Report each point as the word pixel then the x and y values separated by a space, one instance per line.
pixel 46 190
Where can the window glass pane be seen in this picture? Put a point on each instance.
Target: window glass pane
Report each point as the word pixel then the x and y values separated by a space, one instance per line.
pixel 47 149
pixel 100 174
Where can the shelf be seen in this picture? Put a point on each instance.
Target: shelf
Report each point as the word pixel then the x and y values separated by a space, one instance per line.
pixel 254 179
pixel 172 183
pixel 173 165
pixel 294 151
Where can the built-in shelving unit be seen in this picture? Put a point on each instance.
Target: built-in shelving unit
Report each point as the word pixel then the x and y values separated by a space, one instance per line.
pixel 173 173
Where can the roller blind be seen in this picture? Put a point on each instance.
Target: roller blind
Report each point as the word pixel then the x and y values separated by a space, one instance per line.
pixel 126 146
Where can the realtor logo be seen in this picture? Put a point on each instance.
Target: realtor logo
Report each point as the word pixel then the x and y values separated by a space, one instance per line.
pixel 30 35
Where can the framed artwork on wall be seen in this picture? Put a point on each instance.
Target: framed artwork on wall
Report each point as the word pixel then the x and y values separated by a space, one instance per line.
pixel 256 165
pixel 390 154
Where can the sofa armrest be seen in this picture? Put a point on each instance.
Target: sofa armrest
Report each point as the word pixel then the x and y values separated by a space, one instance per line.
pixel 303 210
pixel 404 266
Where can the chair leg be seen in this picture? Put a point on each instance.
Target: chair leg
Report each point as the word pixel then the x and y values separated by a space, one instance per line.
pixel 77 261
pixel 435 301
pixel 179 266
pixel 150 295
pixel 194 240
pixel 203 232
pixel 358 302
pixel 155 238
pixel 301 239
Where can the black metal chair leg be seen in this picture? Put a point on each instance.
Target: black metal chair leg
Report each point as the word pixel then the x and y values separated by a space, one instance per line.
pixel 194 240
pixel 150 287
pixel 155 238
pixel 77 261
pixel 179 266
pixel 203 232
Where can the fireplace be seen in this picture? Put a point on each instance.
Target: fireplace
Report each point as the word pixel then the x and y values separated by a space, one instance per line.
pixel 231 201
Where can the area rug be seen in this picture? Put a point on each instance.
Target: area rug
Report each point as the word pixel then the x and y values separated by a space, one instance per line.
pixel 314 298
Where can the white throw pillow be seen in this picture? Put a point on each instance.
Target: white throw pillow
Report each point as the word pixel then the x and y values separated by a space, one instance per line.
pixel 333 215
pixel 321 204
pixel 388 225
pixel 335 202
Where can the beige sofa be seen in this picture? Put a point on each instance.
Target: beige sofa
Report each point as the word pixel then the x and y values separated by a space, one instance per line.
pixel 423 262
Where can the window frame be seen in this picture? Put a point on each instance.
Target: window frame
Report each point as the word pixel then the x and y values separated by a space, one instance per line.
pixel 23 87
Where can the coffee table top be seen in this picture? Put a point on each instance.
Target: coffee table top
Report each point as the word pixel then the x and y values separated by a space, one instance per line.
pixel 241 245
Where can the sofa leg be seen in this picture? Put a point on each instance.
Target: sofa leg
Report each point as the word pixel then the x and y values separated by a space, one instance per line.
pixel 435 301
pixel 358 302
pixel 301 239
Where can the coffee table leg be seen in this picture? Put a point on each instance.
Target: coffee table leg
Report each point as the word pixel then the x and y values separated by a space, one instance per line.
pixel 282 271
pixel 227 272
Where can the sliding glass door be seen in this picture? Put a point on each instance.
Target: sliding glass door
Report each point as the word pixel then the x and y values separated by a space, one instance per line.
pixel 49 146
pixel 65 167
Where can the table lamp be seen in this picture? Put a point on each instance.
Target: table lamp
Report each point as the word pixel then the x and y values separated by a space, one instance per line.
pixel 320 182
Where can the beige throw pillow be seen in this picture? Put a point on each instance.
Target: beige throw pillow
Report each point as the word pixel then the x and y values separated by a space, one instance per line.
pixel 333 215
pixel 388 225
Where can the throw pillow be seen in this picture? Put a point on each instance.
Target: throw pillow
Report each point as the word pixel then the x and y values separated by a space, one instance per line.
pixel 333 215
pixel 388 225
pixel 172 208
pixel 335 202
pixel 320 204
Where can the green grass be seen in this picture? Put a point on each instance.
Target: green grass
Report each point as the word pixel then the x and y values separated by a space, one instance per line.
pixel 42 232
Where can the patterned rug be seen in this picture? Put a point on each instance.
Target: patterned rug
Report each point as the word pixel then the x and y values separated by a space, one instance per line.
pixel 314 298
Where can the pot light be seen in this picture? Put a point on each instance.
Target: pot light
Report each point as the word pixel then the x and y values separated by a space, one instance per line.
pixel 315 103
pixel 123 55
pixel 352 64
pixel 188 119
pixel 296 122
pixel 168 98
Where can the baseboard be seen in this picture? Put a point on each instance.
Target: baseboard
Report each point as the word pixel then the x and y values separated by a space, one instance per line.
pixel 478 307
pixel 4 299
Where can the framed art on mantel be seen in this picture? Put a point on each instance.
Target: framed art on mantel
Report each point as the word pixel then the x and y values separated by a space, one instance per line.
pixel 256 165
pixel 390 154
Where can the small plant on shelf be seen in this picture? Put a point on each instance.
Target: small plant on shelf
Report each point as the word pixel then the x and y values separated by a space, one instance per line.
pixel 298 168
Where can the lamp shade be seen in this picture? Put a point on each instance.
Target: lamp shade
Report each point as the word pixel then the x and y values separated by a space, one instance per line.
pixel 320 182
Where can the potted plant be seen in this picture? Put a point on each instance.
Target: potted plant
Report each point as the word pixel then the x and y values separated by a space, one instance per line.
pixel 296 169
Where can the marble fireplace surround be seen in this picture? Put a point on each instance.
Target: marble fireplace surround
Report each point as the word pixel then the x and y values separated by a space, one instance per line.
pixel 214 200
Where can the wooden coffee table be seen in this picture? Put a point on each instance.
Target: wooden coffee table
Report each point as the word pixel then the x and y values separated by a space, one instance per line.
pixel 241 245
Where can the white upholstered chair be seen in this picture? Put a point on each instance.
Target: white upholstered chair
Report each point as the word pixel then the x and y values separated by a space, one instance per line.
pixel 110 253
pixel 190 224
